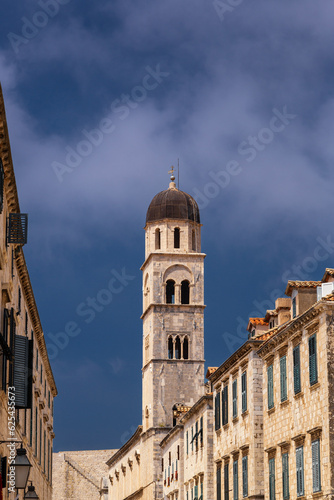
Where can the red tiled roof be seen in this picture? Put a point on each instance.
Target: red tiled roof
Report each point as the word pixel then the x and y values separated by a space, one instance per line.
pixel 329 272
pixel 211 370
pixel 258 321
pixel 301 284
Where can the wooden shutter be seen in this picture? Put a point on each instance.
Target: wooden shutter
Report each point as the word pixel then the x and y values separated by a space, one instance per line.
pixel 272 479
pixel 219 489
pixel 217 411
pixel 225 405
pixel 296 369
pixel 226 483
pixel 270 377
pixel 201 430
pixel 312 344
pixel 284 394
pixel 285 475
pixel 21 372
pixel 245 476
pixel 300 471
pixel 235 480
pixel 234 395
pixel 12 331
pixel 196 492
pixel 187 439
pixel 244 391
pixel 316 466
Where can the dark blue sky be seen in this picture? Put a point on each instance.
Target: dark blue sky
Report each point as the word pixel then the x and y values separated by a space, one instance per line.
pixel 242 94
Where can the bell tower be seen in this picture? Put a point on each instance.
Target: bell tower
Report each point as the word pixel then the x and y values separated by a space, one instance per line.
pixel 173 306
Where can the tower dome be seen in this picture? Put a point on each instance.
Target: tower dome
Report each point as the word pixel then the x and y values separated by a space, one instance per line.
pixel 173 204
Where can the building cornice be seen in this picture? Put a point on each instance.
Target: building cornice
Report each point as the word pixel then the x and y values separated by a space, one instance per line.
pixel 13 206
pixel 235 358
pixel 122 451
pixel 183 307
pixel 172 254
pixel 292 329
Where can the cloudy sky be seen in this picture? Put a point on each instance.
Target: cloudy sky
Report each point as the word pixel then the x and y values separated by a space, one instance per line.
pixel 102 98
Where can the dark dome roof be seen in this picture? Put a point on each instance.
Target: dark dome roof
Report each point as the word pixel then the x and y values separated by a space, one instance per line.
pixel 173 204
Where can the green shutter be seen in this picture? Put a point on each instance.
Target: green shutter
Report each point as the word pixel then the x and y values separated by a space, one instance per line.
pixel 226 483
pixel 312 344
pixel 300 471
pixel 192 439
pixel 285 475
pixel 219 496
pixel 235 397
pixel 187 442
pixel 270 376
pixel 272 479
pixel 235 480
pixel 316 466
pixel 196 492
pixel 217 411
pixel 244 392
pixel 21 371
pixel 196 434
pixel 296 369
pixel 201 430
pixel 225 405
pixel 245 476
pixel 284 394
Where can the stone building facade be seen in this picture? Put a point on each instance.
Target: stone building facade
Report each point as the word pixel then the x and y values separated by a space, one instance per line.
pixel 25 372
pixel 81 475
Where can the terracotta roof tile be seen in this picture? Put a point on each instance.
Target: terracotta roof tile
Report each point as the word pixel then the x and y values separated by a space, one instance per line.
pixel 211 370
pixel 301 284
pixel 257 321
pixel 328 272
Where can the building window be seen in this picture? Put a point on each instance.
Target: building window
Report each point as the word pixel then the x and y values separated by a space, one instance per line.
pixel 177 348
pixel 36 433
pixel 201 430
pixel 185 348
pixel 170 348
pixel 296 369
pixel 284 394
pixel 285 476
pixel 234 396
pixel 235 480
pixel 157 239
pixel 300 470
pixel 245 476
pixel 225 405
pixel 294 308
pixel 316 466
pixel 37 359
pixel 170 292
pixel 19 302
pixel 244 392
pixel 196 436
pixel 312 345
pixel 187 441
pixel 270 376
pixel 226 483
pixel 185 292
pixel 272 479
pixel 40 441
pixel 201 496
pixel 31 423
pixel 219 487
pixel 176 237
pixel 217 411
pixel 193 240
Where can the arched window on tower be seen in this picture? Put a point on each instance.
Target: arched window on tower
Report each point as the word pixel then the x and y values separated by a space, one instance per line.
pixel 157 239
pixel 170 292
pixel 176 237
pixel 170 348
pixel 193 240
pixel 185 292
pixel 177 348
pixel 185 348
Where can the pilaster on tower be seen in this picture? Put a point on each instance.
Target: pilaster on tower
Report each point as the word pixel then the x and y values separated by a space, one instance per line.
pixel 173 306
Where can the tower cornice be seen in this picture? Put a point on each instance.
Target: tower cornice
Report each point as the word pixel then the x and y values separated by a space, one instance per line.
pixel 172 254
pixel 180 307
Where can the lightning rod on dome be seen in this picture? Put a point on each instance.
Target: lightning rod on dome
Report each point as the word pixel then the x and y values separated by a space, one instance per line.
pixel 178 173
